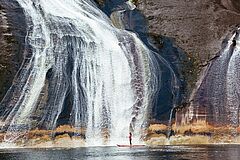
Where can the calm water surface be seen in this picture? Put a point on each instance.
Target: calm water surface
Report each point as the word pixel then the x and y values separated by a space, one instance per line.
pixel 213 152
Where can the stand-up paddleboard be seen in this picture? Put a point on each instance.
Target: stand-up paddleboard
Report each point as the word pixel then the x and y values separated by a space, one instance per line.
pixel 135 145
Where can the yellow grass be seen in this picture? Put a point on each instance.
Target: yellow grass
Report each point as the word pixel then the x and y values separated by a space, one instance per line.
pixel 157 127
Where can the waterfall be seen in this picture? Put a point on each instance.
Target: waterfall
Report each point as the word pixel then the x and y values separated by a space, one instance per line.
pixel 217 98
pixel 81 71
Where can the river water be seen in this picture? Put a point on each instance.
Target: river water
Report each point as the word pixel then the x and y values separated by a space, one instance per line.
pixel 200 152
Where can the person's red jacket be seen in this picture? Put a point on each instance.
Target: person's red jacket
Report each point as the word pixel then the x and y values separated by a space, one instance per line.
pixel 130 135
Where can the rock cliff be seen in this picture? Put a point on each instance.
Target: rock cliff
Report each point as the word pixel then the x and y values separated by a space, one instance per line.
pixel 12 37
pixel 198 26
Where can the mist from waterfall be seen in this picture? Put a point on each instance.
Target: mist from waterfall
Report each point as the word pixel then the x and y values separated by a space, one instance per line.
pixel 81 71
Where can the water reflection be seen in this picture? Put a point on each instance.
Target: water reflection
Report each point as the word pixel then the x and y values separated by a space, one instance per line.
pixel 210 152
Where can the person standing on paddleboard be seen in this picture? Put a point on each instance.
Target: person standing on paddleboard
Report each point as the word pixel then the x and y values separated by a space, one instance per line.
pixel 130 138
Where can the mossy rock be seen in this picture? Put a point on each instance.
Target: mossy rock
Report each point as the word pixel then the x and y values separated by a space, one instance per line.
pixel 100 2
pixel 135 2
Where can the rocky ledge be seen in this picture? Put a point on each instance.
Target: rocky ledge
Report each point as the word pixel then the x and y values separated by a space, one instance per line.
pixel 199 132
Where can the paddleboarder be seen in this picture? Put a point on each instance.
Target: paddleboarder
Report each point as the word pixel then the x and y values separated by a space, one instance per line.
pixel 130 138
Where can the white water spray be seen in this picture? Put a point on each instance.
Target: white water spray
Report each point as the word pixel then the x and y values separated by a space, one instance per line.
pixel 79 61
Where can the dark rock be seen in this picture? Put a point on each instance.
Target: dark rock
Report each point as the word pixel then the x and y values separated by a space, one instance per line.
pixel 234 42
pixel 12 38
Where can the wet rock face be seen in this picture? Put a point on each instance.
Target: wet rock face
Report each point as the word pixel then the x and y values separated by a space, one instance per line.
pixel 198 26
pixel 217 98
pixel 12 37
pixel 127 16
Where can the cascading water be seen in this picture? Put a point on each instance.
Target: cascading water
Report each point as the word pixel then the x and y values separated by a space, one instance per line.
pixel 77 60
pixel 217 98
pixel 80 71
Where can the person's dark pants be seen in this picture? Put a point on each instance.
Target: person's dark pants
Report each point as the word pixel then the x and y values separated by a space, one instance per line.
pixel 130 140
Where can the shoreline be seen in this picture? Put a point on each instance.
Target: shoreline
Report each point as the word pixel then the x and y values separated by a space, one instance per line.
pixel 155 136
pixel 147 145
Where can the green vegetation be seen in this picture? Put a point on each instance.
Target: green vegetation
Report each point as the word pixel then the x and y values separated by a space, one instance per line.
pixel 100 2
pixel 135 2
pixel 191 70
